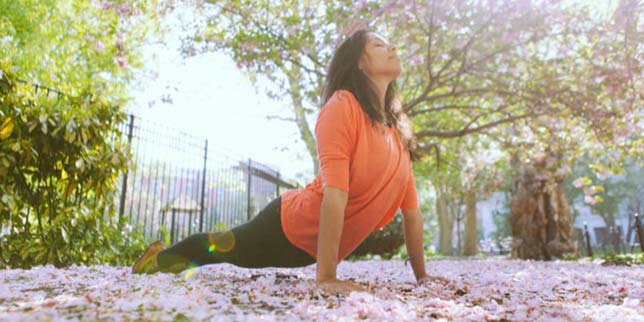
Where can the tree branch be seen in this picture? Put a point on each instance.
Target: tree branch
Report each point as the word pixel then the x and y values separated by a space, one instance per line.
pixel 476 118
pixel 293 61
pixel 441 108
pixel 277 117
pixel 427 147
pixel 279 37
pixel 466 131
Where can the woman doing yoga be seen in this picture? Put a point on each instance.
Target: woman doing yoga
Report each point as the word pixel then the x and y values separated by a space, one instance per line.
pixel 364 145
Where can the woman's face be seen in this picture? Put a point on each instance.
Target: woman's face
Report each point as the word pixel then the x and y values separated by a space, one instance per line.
pixel 379 59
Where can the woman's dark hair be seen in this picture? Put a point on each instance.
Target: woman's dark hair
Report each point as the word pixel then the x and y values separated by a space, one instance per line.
pixel 343 74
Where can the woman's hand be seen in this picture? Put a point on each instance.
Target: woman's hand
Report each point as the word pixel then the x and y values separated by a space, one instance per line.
pixel 459 287
pixel 336 286
pixel 429 278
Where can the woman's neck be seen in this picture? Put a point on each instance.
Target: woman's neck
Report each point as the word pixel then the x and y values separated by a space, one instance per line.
pixel 381 91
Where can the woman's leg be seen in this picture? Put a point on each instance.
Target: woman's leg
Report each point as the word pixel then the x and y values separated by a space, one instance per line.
pixel 258 243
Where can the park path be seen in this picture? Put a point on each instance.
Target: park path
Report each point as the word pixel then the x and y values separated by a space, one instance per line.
pixel 493 289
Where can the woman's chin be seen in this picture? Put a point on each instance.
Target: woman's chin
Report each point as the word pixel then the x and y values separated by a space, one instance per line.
pixel 395 73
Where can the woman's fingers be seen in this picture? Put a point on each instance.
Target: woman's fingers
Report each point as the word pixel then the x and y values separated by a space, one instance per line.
pixel 430 278
pixel 459 287
pixel 336 286
pixel 356 287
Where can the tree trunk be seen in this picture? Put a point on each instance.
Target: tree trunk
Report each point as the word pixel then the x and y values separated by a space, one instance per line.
pixel 445 224
pixel 470 248
pixel 540 221
pixel 453 208
pixel 306 135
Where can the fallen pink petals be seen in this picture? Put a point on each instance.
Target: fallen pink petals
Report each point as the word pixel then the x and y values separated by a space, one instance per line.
pixel 493 289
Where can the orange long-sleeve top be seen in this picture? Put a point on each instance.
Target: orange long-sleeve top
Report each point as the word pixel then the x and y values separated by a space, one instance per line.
pixel 368 162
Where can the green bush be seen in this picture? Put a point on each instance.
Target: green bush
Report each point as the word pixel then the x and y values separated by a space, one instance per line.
pixel 623 259
pixel 385 242
pixel 60 158
pixel 90 240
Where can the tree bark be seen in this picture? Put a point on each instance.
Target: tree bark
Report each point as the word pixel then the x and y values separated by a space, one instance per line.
pixel 295 75
pixel 541 226
pixel 445 223
pixel 470 247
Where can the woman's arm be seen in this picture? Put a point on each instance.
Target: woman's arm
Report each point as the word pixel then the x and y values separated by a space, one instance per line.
pixel 413 229
pixel 334 202
pixel 331 223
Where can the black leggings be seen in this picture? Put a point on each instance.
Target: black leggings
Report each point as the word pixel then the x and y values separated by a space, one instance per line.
pixel 258 243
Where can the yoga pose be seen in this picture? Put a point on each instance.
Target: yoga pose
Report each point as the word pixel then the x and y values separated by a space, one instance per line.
pixel 364 144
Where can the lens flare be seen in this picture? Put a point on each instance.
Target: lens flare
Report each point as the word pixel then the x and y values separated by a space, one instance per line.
pixel 223 242
pixel 191 268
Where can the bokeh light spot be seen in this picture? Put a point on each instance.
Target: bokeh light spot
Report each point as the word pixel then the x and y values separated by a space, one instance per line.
pixel 190 270
pixel 221 241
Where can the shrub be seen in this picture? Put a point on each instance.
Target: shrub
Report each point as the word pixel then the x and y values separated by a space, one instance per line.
pixel 384 242
pixel 623 259
pixel 59 161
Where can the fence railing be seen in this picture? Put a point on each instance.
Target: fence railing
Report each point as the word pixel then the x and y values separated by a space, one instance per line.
pixel 177 183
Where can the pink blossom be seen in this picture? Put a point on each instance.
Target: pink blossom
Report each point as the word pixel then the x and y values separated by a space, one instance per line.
pixel 550 162
pixel 589 191
pixel 416 60
pixel 248 46
pixel 540 158
pixel 598 115
pixel 579 182
pixel 543 120
pixel 100 47
pixel 523 5
pixel 492 289
pixel 124 9
pixel 590 200
pixel 362 4
pixel 543 177
pixel 355 25
pixel 120 43
pixel 563 171
pixel 511 36
pixel 407 3
pixel 292 30
pixel 603 174
pixel 107 5
pixel 120 60
pixel 631 303
pixel 623 133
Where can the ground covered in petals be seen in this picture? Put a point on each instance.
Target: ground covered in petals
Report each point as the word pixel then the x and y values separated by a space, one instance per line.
pixel 493 289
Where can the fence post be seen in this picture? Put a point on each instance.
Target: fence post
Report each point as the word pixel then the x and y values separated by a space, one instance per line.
pixel 124 184
pixel 588 247
pixel 190 223
pixel 203 186
pixel 277 186
pixel 172 227
pixel 248 189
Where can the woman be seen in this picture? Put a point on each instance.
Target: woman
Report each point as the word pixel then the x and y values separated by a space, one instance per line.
pixel 365 149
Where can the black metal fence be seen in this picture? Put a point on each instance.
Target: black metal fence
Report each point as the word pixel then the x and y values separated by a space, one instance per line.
pixel 178 184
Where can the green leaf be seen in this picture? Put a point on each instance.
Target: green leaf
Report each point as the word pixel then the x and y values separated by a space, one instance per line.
pixel 63 232
pixel 6 129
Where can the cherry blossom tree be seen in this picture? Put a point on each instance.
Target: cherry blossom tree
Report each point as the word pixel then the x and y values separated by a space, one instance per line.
pixel 544 79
